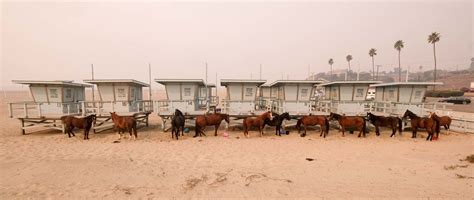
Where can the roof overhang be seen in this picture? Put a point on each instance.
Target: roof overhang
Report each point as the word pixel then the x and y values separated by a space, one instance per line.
pixel 407 84
pixel 226 82
pixel 56 82
pixel 283 82
pixel 126 81
pixel 200 82
pixel 350 83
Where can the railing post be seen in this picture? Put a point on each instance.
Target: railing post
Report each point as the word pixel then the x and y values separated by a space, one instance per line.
pixel 83 107
pixel 113 106
pixel 25 107
pixel 38 106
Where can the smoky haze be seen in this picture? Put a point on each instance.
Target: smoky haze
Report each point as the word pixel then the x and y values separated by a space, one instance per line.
pixel 56 41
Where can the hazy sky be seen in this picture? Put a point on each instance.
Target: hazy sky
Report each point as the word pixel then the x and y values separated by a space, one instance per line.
pixel 53 41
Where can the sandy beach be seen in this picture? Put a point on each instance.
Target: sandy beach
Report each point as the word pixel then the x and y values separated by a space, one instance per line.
pixel 47 164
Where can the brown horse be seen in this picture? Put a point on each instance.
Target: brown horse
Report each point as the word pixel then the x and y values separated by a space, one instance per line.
pixel 345 122
pixel 313 120
pixel 392 122
pixel 442 121
pixel 123 123
pixel 214 119
pixel 258 122
pixel 427 123
pixel 83 123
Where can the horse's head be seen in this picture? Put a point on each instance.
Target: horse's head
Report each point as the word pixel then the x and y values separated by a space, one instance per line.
pixel 177 113
pixel 226 117
pixel 93 117
pixel 408 113
pixel 267 115
pixel 286 116
pixel 333 116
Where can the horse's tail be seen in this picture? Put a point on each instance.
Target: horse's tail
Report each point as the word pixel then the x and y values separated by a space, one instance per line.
pixel 437 124
pixel 326 122
pixel 400 124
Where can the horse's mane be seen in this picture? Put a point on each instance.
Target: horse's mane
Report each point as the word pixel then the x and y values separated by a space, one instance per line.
pixel 335 115
pixel 178 113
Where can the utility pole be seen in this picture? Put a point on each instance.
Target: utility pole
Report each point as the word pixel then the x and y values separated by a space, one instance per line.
pixel 92 70
pixel 207 93
pixel 149 81
pixel 377 78
pixel 260 71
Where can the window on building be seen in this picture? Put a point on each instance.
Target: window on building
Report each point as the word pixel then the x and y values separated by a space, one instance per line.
pixel 132 93
pixel 359 93
pixel 68 93
pixel 248 92
pixel 334 93
pixel 187 92
pixel 121 92
pixel 304 92
pixel 53 93
pixel 391 94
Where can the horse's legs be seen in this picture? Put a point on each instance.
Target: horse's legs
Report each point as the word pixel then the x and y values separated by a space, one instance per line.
pixel 413 135
pixel 377 131
pixel 260 129
pixel 394 130
pixel 182 130
pixel 342 129
pixel 304 133
pixel 277 130
pixel 215 129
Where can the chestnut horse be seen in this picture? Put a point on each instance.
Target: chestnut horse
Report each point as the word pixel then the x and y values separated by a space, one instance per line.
pixel 392 122
pixel 277 121
pixel 428 123
pixel 357 122
pixel 444 121
pixel 258 121
pixel 313 120
pixel 123 123
pixel 214 119
pixel 83 123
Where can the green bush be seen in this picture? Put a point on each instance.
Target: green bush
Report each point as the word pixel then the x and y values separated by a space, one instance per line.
pixel 444 93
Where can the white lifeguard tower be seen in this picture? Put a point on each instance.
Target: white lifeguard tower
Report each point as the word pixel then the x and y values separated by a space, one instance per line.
pixel 395 98
pixel 51 101
pixel 241 97
pixel 123 96
pixel 265 100
pixel 293 96
pixel 188 96
pixel 346 97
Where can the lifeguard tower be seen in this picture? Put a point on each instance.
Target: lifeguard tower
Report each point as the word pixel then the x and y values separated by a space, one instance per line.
pixel 346 97
pixel 241 97
pixel 123 96
pixel 188 96
pixel 293 96
pixel 51 101
pixel 395 98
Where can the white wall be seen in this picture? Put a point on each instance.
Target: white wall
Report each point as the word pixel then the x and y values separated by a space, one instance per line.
pixel 106 92
pixel 250 92
pixel 418 94
pixel 173 91
pixel 291 92
pixel 189 91
pixel 346 92
pixel 378 93
pixel 39 93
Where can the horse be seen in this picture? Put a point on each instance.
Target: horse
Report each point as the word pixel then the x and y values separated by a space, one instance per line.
pixel 123 123
pixel 277 121
pixel 257 121
pixel 358 122
pixel 444 121
pixel 177 124
pixel 428 123
pixel 392 122
pixel 83 123
pixel 214 119
pixel 312 120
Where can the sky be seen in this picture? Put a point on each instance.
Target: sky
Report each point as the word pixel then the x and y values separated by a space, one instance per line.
pixel 60 40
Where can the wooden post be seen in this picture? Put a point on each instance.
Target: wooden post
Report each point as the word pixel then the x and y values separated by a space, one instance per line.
pixel 10 110
pixel 38 106
pixel 22 127
pixel 25 107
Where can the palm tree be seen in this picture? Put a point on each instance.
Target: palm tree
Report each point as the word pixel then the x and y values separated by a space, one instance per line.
pixel 433 38
pixel 372 53
pixel 398 46
pixel 331 61
pixel 349 58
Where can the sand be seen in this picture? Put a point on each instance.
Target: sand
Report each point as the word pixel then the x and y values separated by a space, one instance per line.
pixel 47 164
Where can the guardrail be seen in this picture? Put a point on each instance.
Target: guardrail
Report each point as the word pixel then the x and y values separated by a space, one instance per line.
pixel 104 107
pixel 42 109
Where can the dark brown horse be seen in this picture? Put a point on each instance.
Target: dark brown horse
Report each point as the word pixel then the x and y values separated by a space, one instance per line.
pixel 391 122
pixel 277 121
pixel 82 123
pixel 258 121
pixel 313 120
pixel 348 122
pixel 177 124
pixel 214 119
pixel 123 123
pixel 427 123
